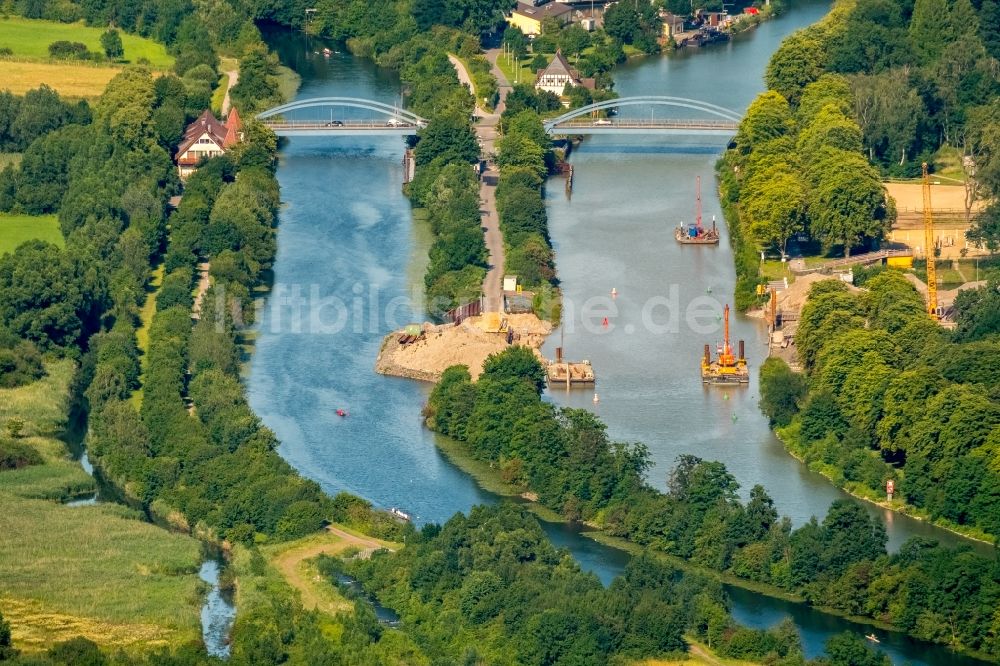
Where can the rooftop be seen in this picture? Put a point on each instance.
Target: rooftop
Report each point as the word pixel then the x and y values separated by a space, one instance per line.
pixel 552 9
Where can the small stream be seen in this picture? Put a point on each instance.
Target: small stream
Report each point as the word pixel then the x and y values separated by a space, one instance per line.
pixel 219 612
pixel 354 590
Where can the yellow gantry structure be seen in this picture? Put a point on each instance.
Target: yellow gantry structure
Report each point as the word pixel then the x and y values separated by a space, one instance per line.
pixel 929 248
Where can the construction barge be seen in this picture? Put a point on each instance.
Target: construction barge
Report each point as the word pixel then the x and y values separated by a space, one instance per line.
pixel 696 234
pixel 569 374
pixel 726 368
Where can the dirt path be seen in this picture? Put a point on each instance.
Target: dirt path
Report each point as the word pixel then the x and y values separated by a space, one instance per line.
pixel 234 77
pixel 295 566
pixel 203 283
pixel 486 132
pixel 697 651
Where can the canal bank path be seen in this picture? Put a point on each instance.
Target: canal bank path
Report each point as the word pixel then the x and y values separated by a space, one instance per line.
pixel 486 132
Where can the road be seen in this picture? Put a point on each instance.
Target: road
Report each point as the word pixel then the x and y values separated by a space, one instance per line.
pixel 486 132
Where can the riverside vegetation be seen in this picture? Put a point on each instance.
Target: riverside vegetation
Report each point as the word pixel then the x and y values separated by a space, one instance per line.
pixel 888 394
pixel 565 457
pixel 875 88
pixel 213 469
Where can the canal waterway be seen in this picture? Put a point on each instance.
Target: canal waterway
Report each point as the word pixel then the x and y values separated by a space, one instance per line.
pixel 349 267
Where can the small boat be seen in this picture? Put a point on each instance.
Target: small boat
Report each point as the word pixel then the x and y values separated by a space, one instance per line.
pixel 399 513
pixel 873 638
pixel 327 52
pixel 341 413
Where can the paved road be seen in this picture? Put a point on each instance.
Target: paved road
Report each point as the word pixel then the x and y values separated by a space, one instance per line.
pixel 486 132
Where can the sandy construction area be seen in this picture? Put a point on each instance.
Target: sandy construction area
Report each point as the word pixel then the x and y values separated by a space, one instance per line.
pixel 446 345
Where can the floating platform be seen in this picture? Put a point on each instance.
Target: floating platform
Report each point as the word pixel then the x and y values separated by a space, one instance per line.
pixel 714 373
pixel 696 236
pixel 570 373
pixel 726 367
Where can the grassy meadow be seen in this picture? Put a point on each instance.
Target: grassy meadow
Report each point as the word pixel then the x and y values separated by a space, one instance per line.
pixel 15 229
pixel 69 79
pixel 98 570
pixel 30 38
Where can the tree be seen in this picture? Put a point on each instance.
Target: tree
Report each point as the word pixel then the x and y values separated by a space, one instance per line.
pixel 768 117
pixel 518 150
pixel 847 649
pixel 621 21
pixel 781 391
pixel 574 39
pixel 799 61
pixel 848 203
pixel 111 41
pixel 774 205
pixel 930 30
pixel 7 650
pixel 447 138
pixel 830 127
pixel 978 312
pixel 44 296
pixel 518 363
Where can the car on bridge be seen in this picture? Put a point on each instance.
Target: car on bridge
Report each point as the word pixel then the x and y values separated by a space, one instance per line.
pixel 335 123
pixel 396 122
pixel 602 121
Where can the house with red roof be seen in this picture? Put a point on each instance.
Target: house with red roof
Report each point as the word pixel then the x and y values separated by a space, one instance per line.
pixel 207 137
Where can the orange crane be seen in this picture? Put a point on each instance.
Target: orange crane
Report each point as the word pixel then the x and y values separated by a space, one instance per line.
pixel 932 304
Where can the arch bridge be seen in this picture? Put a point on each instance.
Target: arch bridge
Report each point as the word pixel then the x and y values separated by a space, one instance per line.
pixel 585 120
pixel 324 116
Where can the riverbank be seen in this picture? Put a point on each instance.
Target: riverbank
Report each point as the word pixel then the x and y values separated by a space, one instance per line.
pixel 489 477
pixel 866 494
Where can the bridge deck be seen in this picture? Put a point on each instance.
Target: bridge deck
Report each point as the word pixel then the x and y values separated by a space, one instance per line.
pixel 638 126
pixel 346 128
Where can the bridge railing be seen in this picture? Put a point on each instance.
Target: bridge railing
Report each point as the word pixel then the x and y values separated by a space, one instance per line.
pixel 640 123
pixel 337 125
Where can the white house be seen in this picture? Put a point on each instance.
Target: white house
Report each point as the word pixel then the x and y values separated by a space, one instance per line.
pixel 558 75
pixel 207 137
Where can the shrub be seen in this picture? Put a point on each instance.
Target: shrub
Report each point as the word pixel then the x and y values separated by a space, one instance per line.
pixel 15 455
pixel 65 50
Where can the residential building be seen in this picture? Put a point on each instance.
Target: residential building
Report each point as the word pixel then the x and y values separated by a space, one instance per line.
pixel 207 137
pixel 558 75
pixel 529 18
pixel 672 24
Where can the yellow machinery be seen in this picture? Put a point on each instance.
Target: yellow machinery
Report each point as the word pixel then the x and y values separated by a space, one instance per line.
pixel 727 368
pixel 932 308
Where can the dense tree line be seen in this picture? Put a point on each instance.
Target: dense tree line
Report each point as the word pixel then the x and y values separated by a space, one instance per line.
pixel 509 597
pixel 799 169
pixel 565 457
pixel 921 76
pixel 887 395
pixel 524 158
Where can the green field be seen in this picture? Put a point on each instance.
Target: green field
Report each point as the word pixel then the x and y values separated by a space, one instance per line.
pixel 30 38
pixel 15 229
pixel 97 571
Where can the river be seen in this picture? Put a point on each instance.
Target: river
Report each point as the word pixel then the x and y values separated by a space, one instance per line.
pixel 349 267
